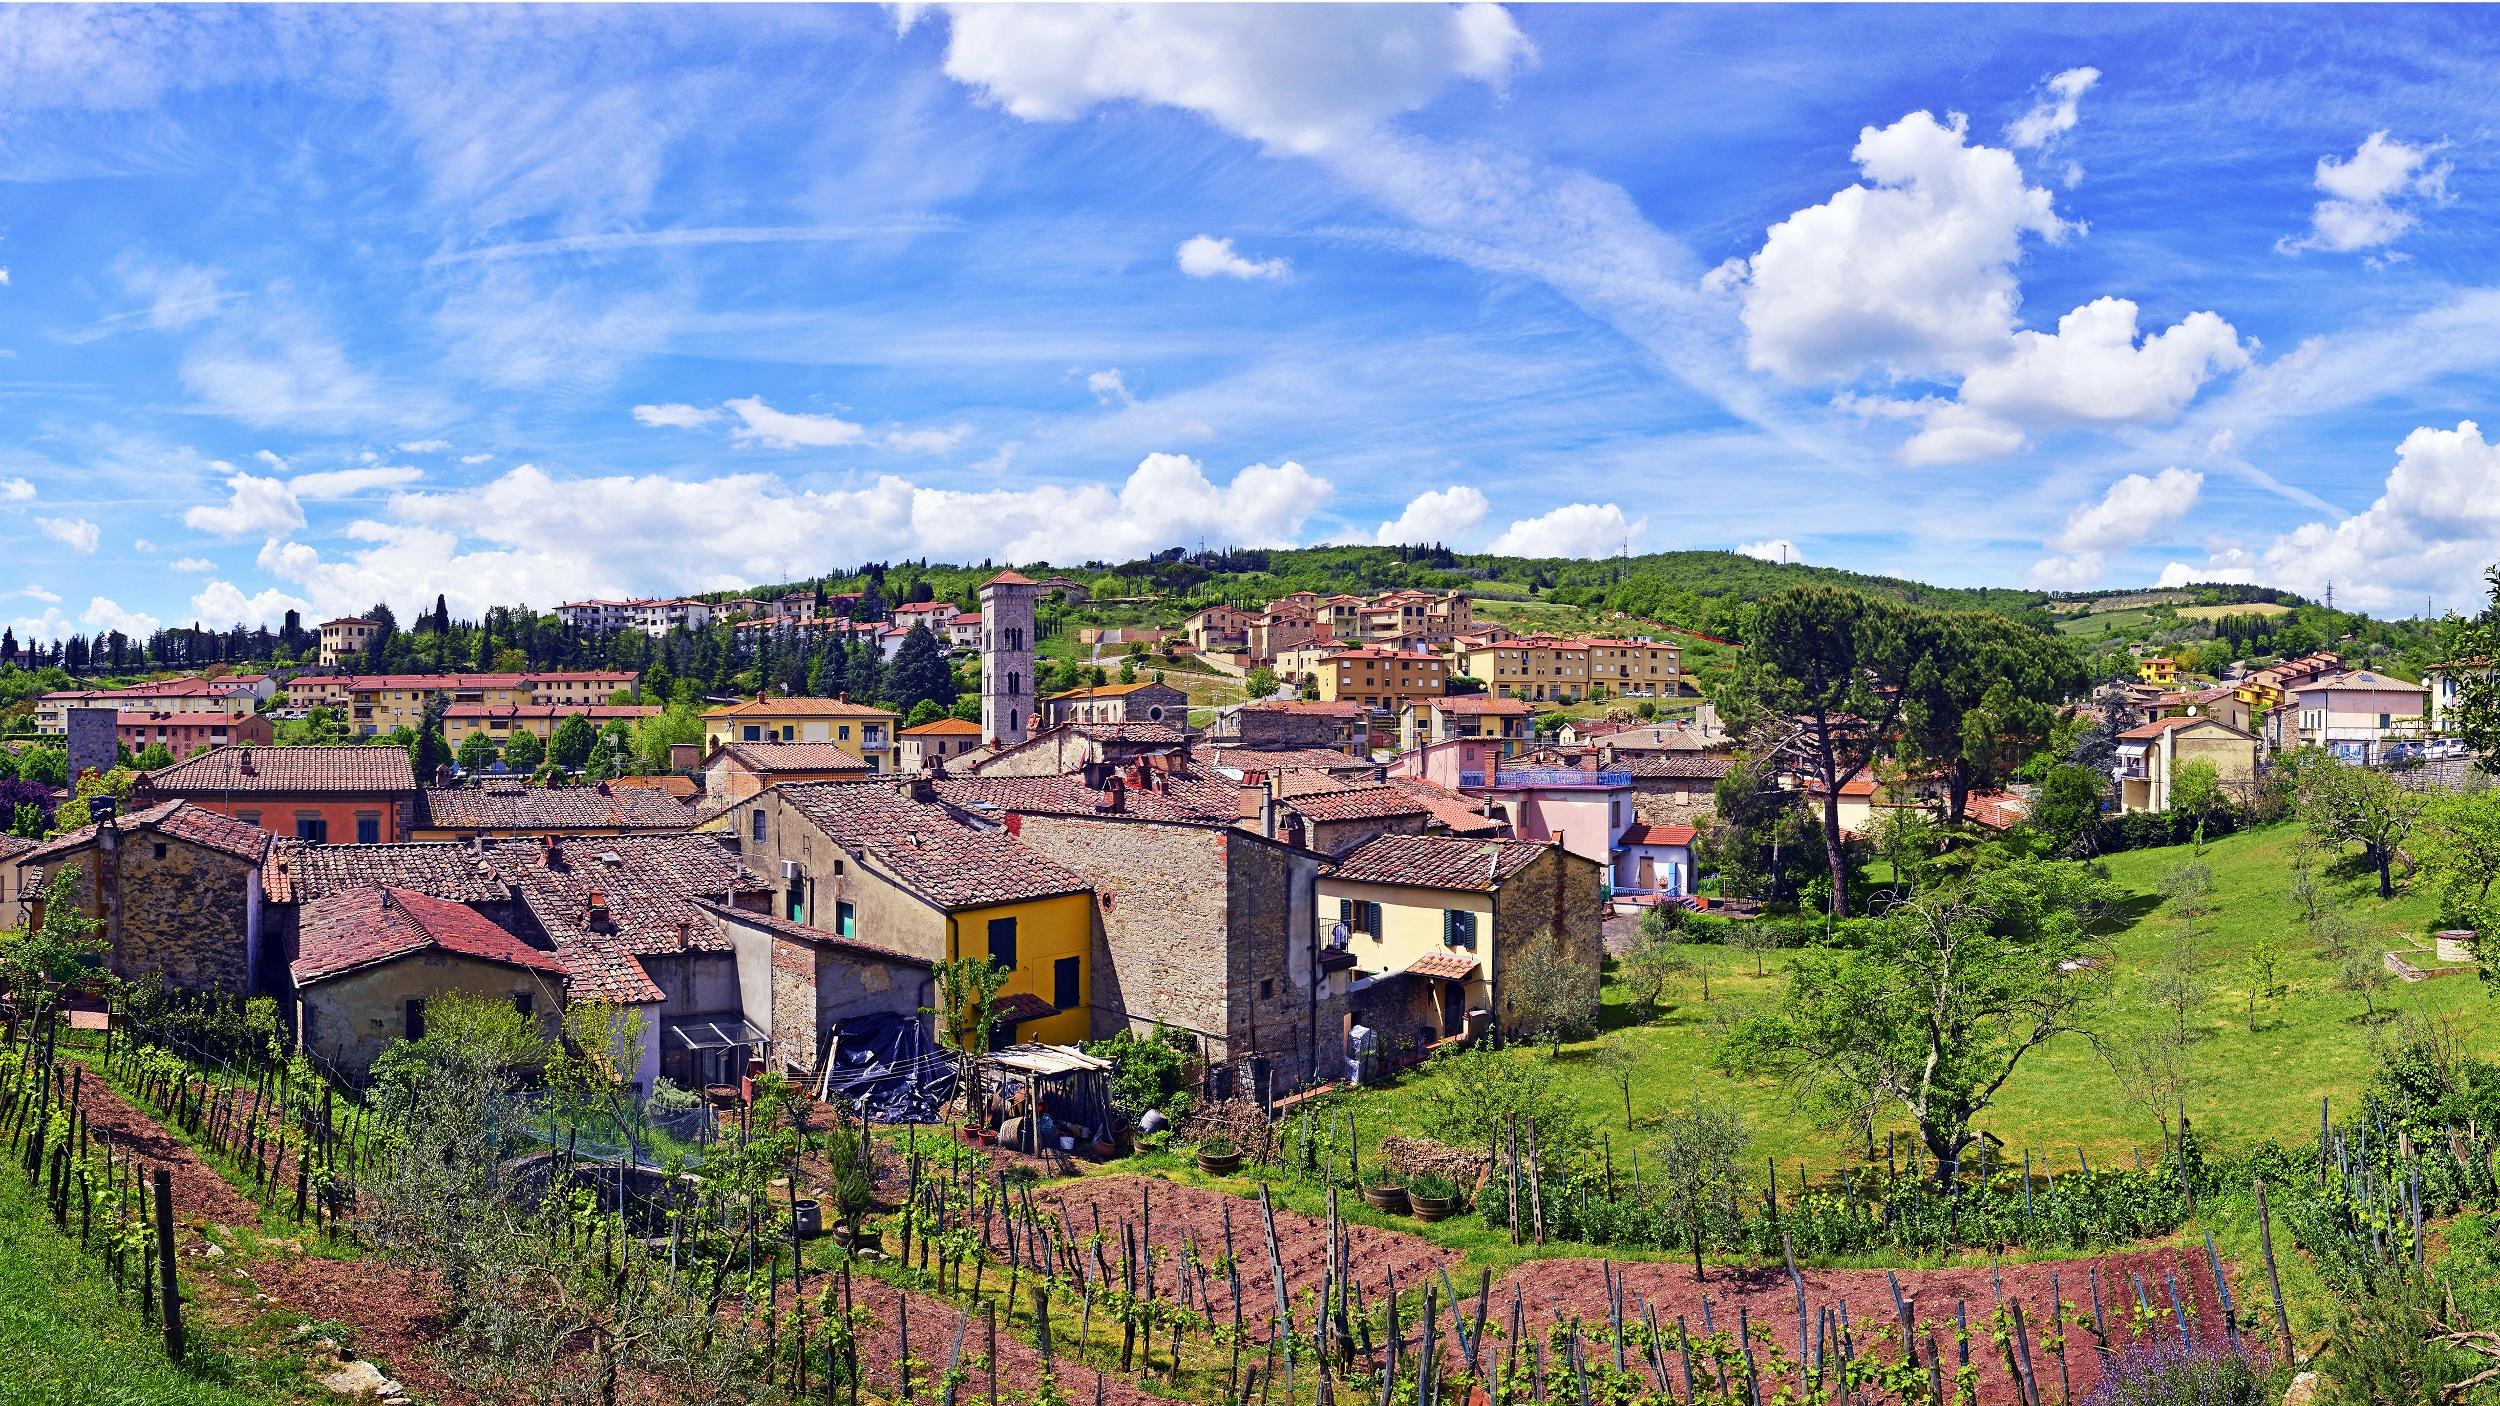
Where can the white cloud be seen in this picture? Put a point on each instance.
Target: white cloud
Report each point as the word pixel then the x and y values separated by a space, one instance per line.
pixel 2431 532
pixel 2228 566
pixel 2093 370
pixel 142 544
pixel 222 603
pixel 195 564
pixel 277 367
pixel 425 446
pixel 1771 549
pixel 272 458
pixel 927 441
pixel 2053 115
pixel 475 458
pixel 1204 256
pixel 350 483
pixel 1912 272
pixel 759 423
pixel 2371 197
pixel 104 614
pixel 2134 512
pixel 1440 515
pixel 75 533
pixel 1110 387
pixel 34 592
pixel 15 490
pixel 672 417
pixel 4 275
pixel 254 507
pixel 1573 530
pixel 529 535
pixel 1326 79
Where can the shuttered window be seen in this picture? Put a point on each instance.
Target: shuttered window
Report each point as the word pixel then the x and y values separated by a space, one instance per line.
pixel 1458 928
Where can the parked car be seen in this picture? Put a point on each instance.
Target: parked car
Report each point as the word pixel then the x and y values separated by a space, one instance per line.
pixel 2445 748
pixel 2401 754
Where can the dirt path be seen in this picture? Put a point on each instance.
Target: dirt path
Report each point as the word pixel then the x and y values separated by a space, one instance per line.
pixel 395 1315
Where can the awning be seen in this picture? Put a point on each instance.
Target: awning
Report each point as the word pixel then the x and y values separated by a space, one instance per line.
pixel 721 1032
pixel 1448 966
pixel 1017 1007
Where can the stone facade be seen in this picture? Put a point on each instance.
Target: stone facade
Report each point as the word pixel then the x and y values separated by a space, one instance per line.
pixel 171 909
pixel 346 1022
pixel 799 986
pixel 1007 642
pixel 1555 907
pixel 1207 930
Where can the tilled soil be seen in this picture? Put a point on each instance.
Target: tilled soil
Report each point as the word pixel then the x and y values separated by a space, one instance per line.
pixel 1189 1217
pixel 1567 1289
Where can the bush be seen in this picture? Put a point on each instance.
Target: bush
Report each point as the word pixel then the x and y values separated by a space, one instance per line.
pixel 1148 1071
pixel 1431 1185
pixel 2166 1373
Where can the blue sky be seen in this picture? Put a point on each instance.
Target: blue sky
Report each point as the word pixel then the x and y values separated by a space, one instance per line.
pixel 310 307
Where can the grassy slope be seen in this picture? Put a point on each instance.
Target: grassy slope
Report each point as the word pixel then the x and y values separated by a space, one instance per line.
pixel 2310 1042
pixel 63 1336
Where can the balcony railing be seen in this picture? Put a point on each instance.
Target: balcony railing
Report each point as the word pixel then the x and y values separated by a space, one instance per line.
pixel 1542 778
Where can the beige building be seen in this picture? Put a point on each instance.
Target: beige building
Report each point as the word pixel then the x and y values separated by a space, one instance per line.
pixel 940 741
pixel 1141 702
pixel 1548 669
pixel 1471 715
pixel 1218 629
pixel 1383 679
pixel 346 639
pixel 368 960
pixel 373 704
pixel 2149 758
pixel 864 732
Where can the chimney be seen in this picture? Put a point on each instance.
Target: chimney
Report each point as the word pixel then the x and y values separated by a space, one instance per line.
pixel 386 900
pixel 595 913
pixel 244 762
pixel 685 935
pixel 922 788
pixel 1293 829
pixel 551 852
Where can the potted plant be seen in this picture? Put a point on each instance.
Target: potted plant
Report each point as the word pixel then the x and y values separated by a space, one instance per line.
pixel 1432 1195
pixel 1217 1157
pixel 1387 1196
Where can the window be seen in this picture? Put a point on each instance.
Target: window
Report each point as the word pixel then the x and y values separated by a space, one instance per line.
pixel 368 827
pixel 1015 682
pixel 755 826
pixel 160 849
pixel 1267 988
pixel 1359 916
pixel 750 733
pixel 1066 976
pixel 413 1013
pixel 1458 928
pixel 795 902
pixel 1003 942
pixel 521 1003
pixel 843 919
pixel 315 830
pixel 248 817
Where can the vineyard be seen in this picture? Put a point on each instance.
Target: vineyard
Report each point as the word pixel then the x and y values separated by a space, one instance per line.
pixel 487 1263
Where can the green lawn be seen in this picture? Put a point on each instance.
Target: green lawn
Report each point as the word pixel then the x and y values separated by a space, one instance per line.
pixel 2309 1042
pixel 64 1337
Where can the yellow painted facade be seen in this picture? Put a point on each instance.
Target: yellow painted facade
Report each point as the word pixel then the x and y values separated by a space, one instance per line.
pixel 864 732
pixel 1047 931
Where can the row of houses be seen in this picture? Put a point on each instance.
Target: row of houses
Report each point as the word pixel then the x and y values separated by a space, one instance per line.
pixel 2361 715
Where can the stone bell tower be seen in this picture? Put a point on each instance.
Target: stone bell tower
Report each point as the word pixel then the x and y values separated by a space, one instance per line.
pixel 1007 658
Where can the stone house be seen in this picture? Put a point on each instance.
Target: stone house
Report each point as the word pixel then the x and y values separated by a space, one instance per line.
pixel 1672 787
pixel 889 866
pixel 1437 924
pixel 801 984
pixel 1337 817
pixel 368 959
pixel 1218 629
pixel 1343 727
pixel 175 886
pixel 1073 747
pixel 933 743
pixel 734 771
pixel 1115 703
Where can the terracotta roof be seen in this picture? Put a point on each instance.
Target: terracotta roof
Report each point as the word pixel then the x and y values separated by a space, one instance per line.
pixel 1008 578
pixel 1249 759
pixel 1014 1008
pixel 1333 708
pixel 1452 810
pixel 513 805
pixel 648 884
pixel 1183 800
pixel 768 757
pixel 179 820
pixel 2155 729
pixel 1696 766
pixel 552 712
pixel 684 788
pixel 798 707
pixel 1356 803
pixel 943 727
pixel 1438 861
pixel 297 872
pixel 1448 966
pixel 2357 679
pixel 359 928
pixel 1658 835
pixel 803 933
pixel 1150 733
pixel 1998 810
pixel 928 848
pixel 292 770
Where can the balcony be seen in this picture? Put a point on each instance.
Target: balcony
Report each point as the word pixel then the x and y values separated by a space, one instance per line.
pixel 1542 778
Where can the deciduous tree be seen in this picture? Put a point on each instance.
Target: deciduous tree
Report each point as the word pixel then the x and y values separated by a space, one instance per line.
pixel 1702 1169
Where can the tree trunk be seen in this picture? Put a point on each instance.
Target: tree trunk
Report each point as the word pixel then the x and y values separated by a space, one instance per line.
pixel 2386 871
pixel 1694 1227
pixel 1831 850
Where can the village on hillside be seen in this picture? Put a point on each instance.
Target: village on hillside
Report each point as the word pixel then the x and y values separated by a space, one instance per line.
pixel 1409 893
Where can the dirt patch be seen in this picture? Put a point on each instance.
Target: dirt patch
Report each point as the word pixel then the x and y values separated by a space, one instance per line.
pixel 933 1324
pixel 1190 1218
pixel 199 1193
pixel 397 1314
pixel 1551 1289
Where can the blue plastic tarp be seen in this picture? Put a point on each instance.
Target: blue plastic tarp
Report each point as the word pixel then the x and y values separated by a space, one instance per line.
pixel 888 1068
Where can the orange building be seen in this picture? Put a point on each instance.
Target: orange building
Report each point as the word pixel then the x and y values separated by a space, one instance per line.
pixel 334 795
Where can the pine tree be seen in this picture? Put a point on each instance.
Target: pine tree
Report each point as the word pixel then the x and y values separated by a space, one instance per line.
pixel 920 672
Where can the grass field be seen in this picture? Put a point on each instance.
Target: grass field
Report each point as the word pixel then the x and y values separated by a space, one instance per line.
pixel 2107 622
pixel 63 1336
pixel 2309 1042
pixel 2216 612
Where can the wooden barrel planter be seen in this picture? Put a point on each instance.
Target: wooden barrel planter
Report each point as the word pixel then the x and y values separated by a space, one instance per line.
pixel 1432 1208
pixel 1389 1200
pixel 1219 1159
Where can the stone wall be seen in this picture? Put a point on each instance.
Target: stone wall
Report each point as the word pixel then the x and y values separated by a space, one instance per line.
pixel 349 1020
pixel 882 913
pixel 1338 838
pixel 172 909
pixel 1554 906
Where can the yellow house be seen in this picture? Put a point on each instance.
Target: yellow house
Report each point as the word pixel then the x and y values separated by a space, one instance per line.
pixel 1383 679
pixel 864 732
pixel 2164 672
pixel 885 864
pixel 2149 758
pixel 503 721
